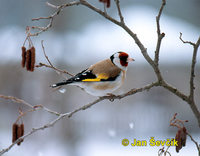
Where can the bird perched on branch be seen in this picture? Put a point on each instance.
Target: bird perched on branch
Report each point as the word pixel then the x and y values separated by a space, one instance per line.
pixel 102 78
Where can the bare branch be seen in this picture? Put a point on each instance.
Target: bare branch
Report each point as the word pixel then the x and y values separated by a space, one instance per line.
pixel 192 75
pixel 126 28
pixel 175 91
pixel 56 69
pixel 119 11
pixel 190 100
pixel 45 54
pixel 160 36
pixel 196 143
pixel 164 152
pixel 51 17
pixel 51 65
pixel 154 63
pixel 69 114
pixel 17 100
pixel 188 42
pixel 112 97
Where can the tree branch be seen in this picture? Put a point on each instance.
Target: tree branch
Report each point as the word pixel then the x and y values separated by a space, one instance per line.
pixel 51 17
pixel 51 65
pixel 126 28
pixel 196 143
pixel 20 101
pixel 160 36
pixel 190 100
pixel 192 75
pixel 188 42
pixel 70 114
pixel 119 12
pixel 154 63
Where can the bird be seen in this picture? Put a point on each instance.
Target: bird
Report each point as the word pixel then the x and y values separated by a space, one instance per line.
pixel 102 78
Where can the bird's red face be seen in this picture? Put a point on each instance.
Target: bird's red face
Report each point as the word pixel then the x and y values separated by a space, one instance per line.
pixel 121 59
pixel 124 59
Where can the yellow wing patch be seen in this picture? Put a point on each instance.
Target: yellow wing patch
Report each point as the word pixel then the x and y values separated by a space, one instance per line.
pixel 91 80
pixel 99 77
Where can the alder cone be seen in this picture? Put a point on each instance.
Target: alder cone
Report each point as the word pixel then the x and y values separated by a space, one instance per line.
pixel 17 132
pixel 181 137
pixel 107 2
pixel 14 132
pixel 28 60
pixel 178 139
pixel 32 63
pixel 23 57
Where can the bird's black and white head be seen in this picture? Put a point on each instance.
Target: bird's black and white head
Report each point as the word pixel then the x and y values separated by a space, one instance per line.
pixel 121 59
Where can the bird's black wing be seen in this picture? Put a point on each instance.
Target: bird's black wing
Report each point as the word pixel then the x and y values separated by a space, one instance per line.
pixel 85 74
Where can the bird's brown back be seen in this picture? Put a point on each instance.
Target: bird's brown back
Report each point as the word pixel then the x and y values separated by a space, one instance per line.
pixel 106 67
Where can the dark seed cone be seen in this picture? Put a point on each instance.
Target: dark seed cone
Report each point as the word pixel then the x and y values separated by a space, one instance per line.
pixel 19 133
pixel 32 58
pixel 28 60
pixel 178 139
pixel 14 132
pixel 108 3
pixel 23 56
pixel 22 131
pixel 183 136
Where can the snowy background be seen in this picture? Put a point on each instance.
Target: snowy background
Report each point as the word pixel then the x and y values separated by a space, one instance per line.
pixel 78 39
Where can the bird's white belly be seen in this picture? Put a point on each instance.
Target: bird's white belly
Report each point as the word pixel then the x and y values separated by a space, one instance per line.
pixel 101 88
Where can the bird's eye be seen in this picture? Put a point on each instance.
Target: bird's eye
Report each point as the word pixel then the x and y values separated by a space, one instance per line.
pixel 123 58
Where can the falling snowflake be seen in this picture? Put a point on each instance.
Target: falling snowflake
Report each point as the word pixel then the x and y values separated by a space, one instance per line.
pixel 131 125
pixel 62 91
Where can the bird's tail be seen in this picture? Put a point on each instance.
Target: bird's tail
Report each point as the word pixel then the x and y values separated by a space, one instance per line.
pixel 60 84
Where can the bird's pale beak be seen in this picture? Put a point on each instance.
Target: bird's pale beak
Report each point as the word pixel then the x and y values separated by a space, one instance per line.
pixel 130 59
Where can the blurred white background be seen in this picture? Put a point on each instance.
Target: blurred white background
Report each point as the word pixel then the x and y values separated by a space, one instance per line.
pixel 78 39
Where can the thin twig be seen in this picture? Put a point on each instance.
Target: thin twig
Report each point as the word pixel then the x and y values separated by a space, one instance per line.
pixel 58 70
pixel 192 87
pixel 188 42
pixel 17 100
pixel 51 65
pixel 196 143
pixel 46 54
pixel 51 17
pixel 160 36
pixel 119 11
pixel 192 75
pixel 163 151
pixel 177 122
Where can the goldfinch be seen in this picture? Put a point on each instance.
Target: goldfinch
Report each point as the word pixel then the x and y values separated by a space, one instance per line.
pixel 102 78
